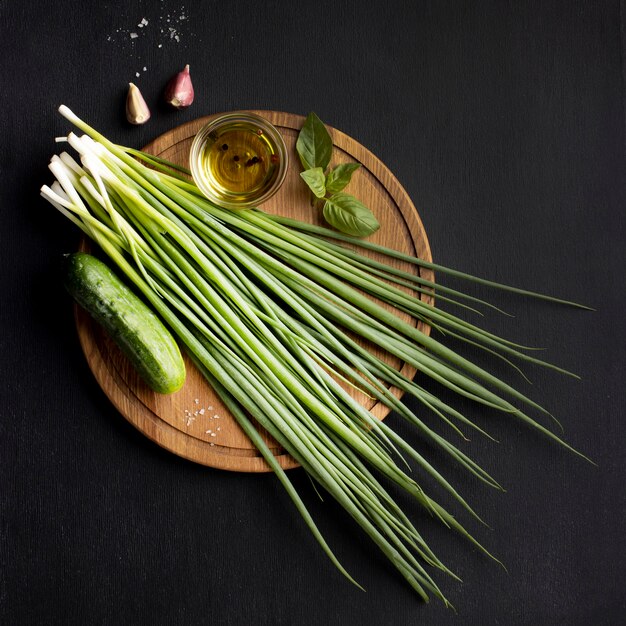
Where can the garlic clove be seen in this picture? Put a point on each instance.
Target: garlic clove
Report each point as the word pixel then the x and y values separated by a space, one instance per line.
pixel 179 91
pixel 137 111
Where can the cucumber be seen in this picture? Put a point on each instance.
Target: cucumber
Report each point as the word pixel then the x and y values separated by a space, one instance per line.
pixel 132 325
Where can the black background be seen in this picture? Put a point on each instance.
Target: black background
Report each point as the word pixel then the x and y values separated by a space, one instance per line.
pixel 504 121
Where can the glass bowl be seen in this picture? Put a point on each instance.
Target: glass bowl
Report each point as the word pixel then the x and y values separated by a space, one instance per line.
pixel 238 160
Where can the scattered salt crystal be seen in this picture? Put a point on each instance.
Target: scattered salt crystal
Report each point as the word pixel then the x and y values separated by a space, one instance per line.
pixel 211 443
pixel 197 401
pixel 145 69
pixel 160 45
pixel 213 435
pixel 137 74
pixel 216 417
pixel 207 431
pixel 134 35
pixel 201 411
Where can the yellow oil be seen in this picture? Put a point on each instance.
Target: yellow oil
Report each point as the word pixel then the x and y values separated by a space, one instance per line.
pixel 239 162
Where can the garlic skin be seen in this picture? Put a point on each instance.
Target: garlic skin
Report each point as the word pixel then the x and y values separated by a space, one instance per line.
pixel 179 91
pixel 137 111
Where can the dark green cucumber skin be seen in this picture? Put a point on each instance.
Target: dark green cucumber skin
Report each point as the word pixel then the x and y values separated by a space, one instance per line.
pixel 132 325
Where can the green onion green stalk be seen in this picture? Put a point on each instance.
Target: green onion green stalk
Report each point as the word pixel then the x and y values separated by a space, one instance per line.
pixel 273 312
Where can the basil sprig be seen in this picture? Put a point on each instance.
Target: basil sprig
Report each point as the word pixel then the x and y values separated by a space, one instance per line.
pixel 341 210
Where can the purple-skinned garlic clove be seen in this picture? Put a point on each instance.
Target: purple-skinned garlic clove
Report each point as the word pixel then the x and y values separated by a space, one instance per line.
pixel 137 111
pixel 179 91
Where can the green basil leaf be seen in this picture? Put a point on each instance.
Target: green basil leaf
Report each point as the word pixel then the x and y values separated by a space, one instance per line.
pixel 316 181
pixel 350 216
pixel 314 145
pixel 340 176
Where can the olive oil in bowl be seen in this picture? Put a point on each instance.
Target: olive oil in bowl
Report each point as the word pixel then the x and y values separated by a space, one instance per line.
pixel 238 160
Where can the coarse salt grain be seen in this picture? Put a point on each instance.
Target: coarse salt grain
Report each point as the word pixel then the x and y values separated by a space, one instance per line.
pixel 134 35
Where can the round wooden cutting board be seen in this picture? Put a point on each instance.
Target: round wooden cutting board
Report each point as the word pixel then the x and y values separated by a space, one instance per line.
pixel 192 422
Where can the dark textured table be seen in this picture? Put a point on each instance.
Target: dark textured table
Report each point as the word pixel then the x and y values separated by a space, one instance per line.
pixel 504 121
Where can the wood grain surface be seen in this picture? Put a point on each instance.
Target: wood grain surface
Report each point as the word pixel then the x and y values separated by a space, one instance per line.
pixel 193 423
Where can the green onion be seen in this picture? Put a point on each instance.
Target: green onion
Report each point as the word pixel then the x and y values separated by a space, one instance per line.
pixel 270 310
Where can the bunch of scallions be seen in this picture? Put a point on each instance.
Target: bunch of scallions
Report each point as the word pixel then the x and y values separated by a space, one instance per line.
pixel 273 311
